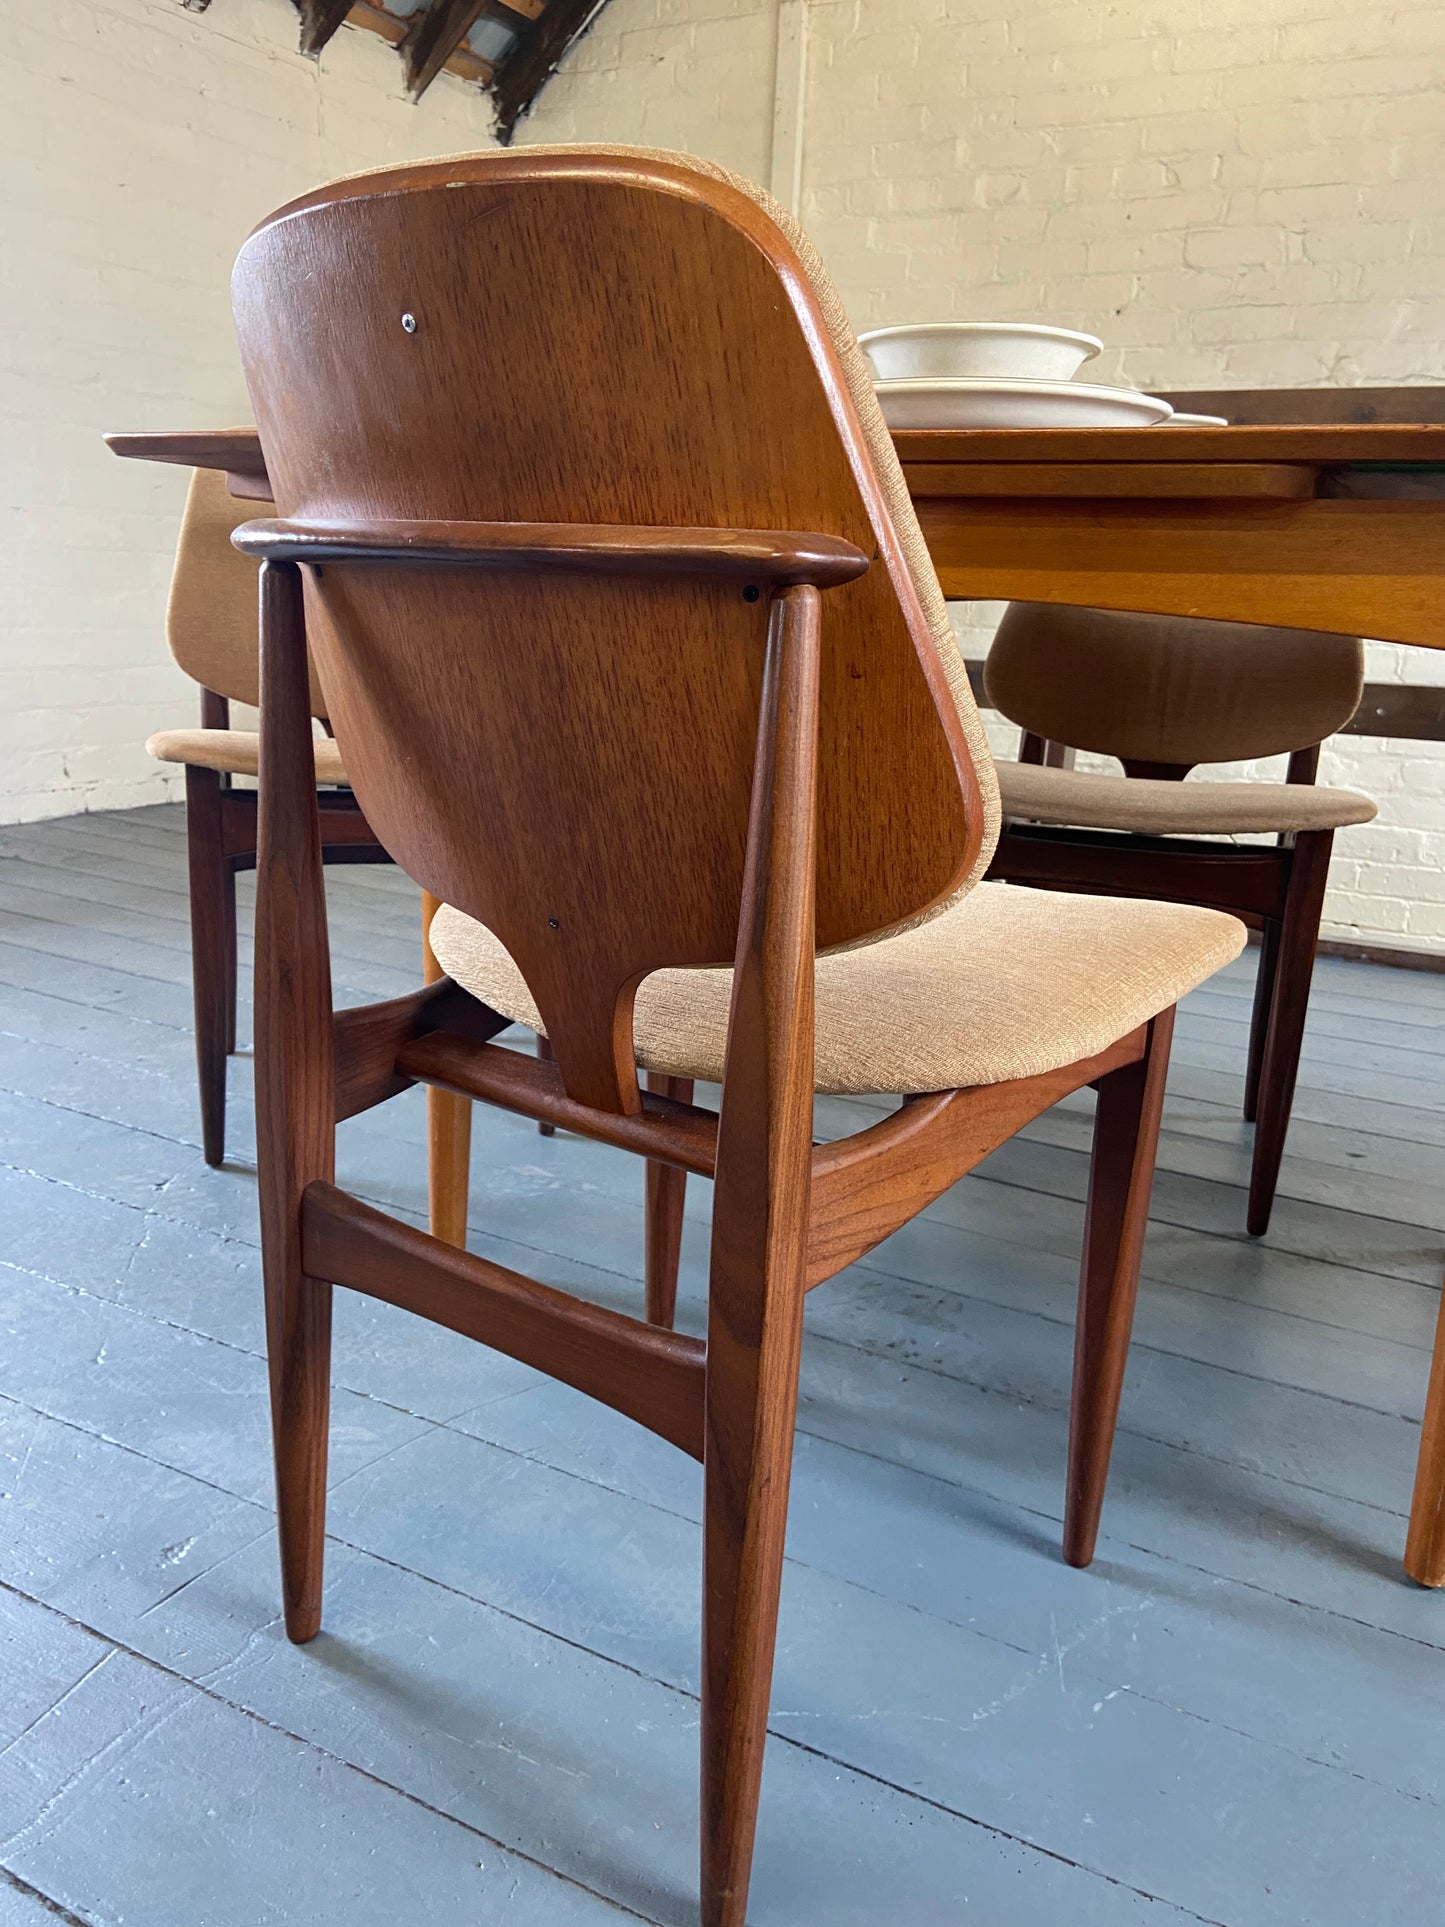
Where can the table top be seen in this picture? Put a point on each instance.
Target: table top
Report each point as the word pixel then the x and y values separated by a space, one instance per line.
pixel 1325 444
pixel 1286 460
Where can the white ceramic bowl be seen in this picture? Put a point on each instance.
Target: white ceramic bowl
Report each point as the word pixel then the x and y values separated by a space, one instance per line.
pixel 1176 420
pixel 974 350
pixel 1016 404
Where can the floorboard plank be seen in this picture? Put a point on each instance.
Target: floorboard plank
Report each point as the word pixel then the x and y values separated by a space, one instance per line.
pixel 963 1727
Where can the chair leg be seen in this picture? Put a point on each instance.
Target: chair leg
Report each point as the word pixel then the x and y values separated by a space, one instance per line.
pixel 544 1055
pixel 666 1192
pixel 1289 1005
pixel 1259 1016
pixel 1126 1136
pixel 295 1096
pixel 448 1130
pixel 755 1329
pixel 1425 1545
pixel 232 961
pixel 761 1198
pixel 209 873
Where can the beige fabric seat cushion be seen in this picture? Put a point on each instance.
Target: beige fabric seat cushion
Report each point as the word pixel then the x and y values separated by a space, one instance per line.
pixel 1073 798
pixel 236 751
pixel 1006 983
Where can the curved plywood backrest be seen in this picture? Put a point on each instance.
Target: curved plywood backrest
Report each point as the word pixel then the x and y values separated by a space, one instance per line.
pixel 211 614
pixel 1170 689
pixel 574 338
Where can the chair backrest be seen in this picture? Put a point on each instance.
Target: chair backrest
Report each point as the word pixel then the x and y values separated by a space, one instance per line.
pixel 211 614
pixel 1170 689
pixel 574 337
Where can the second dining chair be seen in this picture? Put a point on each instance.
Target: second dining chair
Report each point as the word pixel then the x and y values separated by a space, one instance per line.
pixel 211 625
pixel 638 662
pixel 1163 694
pixel 211 629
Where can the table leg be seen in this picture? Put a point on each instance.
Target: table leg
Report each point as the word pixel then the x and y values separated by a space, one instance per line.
pixel 1425 1547
pixel 448 1128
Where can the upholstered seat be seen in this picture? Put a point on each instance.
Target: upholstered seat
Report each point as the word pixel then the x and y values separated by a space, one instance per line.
pixel 235 752
pixel 1033 793
pixel 1006 983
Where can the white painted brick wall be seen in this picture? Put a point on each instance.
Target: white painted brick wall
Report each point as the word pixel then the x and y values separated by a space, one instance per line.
pixel 139 144
pixel 1229 192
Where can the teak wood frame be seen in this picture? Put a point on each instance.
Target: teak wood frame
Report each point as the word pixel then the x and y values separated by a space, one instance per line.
pixel 787 1215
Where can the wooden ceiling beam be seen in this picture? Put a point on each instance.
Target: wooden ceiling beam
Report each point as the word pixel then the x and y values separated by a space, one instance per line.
pixel 433 37
pixel 320 19
pixel 392 28
pixel 521 76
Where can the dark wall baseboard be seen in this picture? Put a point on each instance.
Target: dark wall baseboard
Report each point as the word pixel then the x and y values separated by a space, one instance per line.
pixel 1376 953
pixel 1382 953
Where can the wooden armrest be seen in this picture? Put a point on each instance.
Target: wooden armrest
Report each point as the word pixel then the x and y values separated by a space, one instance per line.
pixel 779 558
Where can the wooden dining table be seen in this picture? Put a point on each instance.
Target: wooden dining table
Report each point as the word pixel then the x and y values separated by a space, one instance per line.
pixel 1316 524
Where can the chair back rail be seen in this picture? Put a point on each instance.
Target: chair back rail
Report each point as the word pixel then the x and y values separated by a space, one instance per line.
pixel 1170 691
pixel 574 340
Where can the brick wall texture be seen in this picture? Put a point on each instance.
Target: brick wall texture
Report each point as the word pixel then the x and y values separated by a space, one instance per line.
pixel 1227 191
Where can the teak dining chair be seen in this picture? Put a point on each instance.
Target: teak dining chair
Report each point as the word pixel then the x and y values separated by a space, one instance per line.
pixel 211 628
pixel 637 661
pixel 1163 694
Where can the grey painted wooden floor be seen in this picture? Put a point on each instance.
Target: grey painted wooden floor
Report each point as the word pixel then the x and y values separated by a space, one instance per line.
pixel 1237 1716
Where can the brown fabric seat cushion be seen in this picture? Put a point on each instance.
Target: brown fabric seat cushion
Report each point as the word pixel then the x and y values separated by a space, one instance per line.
pixel 236 751
pixel 1073 798
pixel 1007 982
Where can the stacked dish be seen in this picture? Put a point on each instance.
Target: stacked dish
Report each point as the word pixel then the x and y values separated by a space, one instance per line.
pixel 1000 374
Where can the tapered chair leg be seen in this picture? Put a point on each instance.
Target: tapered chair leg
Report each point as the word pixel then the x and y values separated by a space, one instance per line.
pixel 232 960
pixel 1259 1016
pixel 1425 1545
pixel 1289 1006
pixel 666 1193
pixel 761 1199
pixel 448 1129
pixel 210 878
pixel 1121 1175
pixel 295 1095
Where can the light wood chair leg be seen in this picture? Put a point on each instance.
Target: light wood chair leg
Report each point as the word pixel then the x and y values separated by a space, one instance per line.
pixel 1126 1137
pixel 295 1096
pixel 1425 1544
pixel 1259 1016
pixel 544 1054
pixel 1289 1006
pixel 448 1128
pixel 666 1193
pixel 210 953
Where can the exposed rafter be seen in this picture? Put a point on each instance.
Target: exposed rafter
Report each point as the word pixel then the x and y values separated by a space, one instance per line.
pixel 508 47
pixel 522 76
pixel 433 37
pixel 319 20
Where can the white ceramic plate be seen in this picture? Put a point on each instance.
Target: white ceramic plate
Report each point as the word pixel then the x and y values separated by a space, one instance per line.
pixel 978 350
pixel 1016 404
pixel 1176 420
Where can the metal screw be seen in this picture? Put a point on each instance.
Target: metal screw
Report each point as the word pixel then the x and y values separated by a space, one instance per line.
pixel 751 592
pixel 553 923
pixel 408 321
